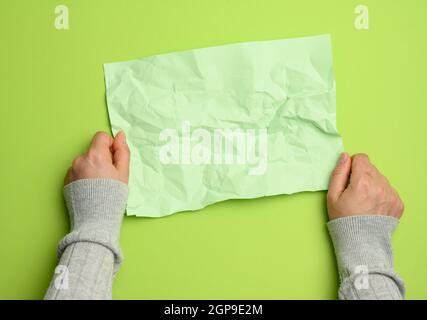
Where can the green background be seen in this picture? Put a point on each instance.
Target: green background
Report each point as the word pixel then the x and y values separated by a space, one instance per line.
pixel 52 100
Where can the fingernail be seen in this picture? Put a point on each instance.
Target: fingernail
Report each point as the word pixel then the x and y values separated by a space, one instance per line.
pixel 124 137
pixel 343 158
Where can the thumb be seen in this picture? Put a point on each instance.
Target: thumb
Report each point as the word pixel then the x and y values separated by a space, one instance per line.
pixel 121 154
pixel 340 176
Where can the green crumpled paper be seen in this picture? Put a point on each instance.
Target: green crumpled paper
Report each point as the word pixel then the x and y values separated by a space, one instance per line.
pixel 235 121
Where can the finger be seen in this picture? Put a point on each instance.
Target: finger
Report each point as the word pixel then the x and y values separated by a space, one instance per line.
pixel 101 144
pixel 121 153
pixel 340 177
pixel 362 169
pixel 360 165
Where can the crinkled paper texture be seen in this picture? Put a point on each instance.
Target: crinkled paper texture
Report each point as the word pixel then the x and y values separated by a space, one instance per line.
pixel 284 86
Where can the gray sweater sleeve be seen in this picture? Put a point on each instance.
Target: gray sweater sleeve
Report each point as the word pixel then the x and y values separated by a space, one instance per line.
pixel 90 254
pixel 365 258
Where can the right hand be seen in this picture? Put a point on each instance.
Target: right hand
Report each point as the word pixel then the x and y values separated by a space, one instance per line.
pixel 358 188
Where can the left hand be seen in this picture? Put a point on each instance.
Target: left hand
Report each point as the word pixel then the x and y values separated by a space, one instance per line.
pixel 107 158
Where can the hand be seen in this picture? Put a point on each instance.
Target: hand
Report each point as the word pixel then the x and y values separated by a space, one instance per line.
pixel 358 188
pixel 106 158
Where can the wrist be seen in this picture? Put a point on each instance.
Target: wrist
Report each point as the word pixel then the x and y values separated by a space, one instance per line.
pixel 96 208
pixel 362 241
pixel 96 204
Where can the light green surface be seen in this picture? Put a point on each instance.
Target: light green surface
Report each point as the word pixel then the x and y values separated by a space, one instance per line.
pixel 175 107
pixel 52 100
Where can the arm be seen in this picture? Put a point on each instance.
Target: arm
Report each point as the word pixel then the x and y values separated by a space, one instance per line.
pixel 364 210
pixel 96 193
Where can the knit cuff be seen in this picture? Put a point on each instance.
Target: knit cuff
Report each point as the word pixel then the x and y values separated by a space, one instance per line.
pixel 362 243
pixel 96 208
